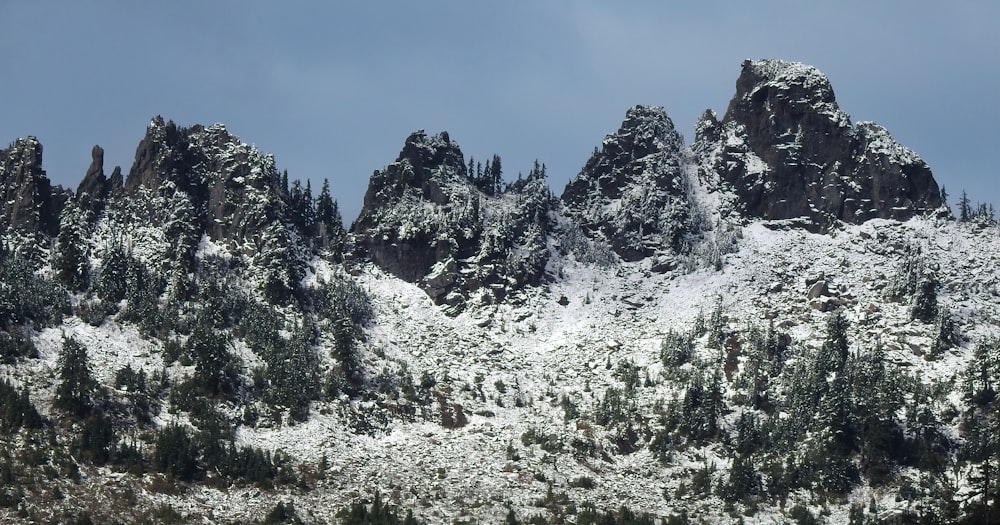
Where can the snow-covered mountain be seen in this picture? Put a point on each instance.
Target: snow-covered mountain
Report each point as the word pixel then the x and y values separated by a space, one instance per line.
pixel 779 322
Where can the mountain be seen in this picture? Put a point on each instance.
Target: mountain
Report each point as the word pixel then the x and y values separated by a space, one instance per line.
pixel 778 322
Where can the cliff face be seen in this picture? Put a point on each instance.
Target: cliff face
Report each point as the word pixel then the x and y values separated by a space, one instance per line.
pixel 790 152
pixel 30 204
pixel 632 191
pixel 233 190
pixel 427 220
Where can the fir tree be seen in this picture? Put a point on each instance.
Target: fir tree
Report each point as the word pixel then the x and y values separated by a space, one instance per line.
pixel 71 262
pixel 964 208
pixel 76 384
pixel 925 306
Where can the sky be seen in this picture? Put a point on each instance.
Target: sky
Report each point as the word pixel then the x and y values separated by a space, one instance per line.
pixel 332 89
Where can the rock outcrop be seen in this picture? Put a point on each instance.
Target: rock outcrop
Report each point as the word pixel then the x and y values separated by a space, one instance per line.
pixel 790 152
pixel 30 203
pixel 632 191
pixel 232 189
pixel 426 221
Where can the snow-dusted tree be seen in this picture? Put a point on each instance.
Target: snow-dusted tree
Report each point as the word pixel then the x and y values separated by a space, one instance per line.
pixel 209 348
pixel 71 261
pixel 112 280
pixel 329 223
pixel 281 271
pixel 76 384
pixel 16 410
pixel 964 208
pixel 925 307
pixel 182 231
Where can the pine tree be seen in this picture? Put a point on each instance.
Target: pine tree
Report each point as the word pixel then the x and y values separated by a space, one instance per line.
pixel 76 384
pixel 329 223
pixel 281 270
pixel 112 283
pixel 210 350
pixel 925 306
pixel 71 262
pixel 964 208
pixel 494 177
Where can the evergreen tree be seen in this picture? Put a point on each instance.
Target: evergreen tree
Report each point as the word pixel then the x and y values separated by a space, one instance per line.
pixel 209 348
pixel 71 262
pixel 282 270
pixel 112 281
pixel 16 410
pixel 494 176
pixel 76 384
pixel 925 306
pixel 97 439
pixel 182 232
pixel 964 208
pixel 176 453
pixel 328 220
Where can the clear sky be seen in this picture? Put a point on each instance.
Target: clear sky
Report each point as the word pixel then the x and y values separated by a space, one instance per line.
pixel 333 88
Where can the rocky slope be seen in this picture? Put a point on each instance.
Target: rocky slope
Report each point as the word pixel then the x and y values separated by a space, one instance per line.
pixel 656 338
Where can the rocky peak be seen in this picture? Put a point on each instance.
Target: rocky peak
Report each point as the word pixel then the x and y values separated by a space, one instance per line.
pixel 215 172
pixel 95 186
pixel 428 164
pixel 632 191
pixel 426 221
pixel 790 152
pixel 29 202
pixel 413 207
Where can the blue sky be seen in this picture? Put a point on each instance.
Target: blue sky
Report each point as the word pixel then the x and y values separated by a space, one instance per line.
pixel 333 88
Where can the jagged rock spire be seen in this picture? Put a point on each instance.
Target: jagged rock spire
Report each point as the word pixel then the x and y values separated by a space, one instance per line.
pixel 790 152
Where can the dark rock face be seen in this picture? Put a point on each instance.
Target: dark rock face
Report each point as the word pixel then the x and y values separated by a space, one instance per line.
pixel 790 152
pixel 232 189
pixel 425 221
pixel 632 191
pixel 95 187
pixel 408 222
pixel 30 203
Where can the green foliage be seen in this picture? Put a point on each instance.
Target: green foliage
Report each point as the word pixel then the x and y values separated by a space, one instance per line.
pixel 341 298
pixel 676 349
pixel 282 269
pixel 76 388
pixel 981 379
pixel 947 334
pixel 614 407
pixel 71 262
pixel 925 306
pixel 378 513
pixel 25 296
pixel 16 410
pixel 112 280
pixel 292 375
pixel 215 367
pixel 96 442
pixel 176 454
pixel 702 406
pixel 15 344
pixel 122 276
pixel 282 513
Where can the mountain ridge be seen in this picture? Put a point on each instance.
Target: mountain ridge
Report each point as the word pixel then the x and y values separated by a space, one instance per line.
pixel 201 341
